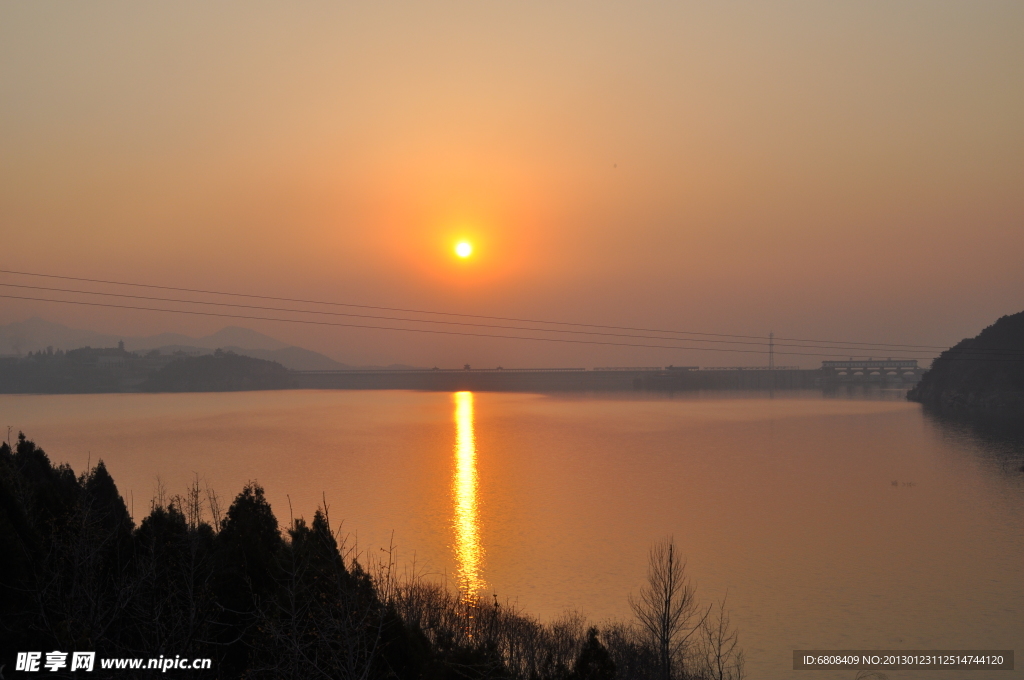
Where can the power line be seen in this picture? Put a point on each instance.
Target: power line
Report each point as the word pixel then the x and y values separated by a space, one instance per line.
pixel 414 330
pixel 770 343
pixel 895 346
pixel 351 314
pixel 847 347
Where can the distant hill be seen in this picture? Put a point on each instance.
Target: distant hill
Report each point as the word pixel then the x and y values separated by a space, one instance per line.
pixel 293 358
pixel 76 371
pixel 980 378
pixel 21 337
pixel 218 372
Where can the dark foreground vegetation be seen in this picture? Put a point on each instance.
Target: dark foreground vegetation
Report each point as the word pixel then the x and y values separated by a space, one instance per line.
pixel 980 378
pixel 77 574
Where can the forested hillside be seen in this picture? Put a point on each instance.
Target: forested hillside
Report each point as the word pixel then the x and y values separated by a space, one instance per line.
pixel 980 377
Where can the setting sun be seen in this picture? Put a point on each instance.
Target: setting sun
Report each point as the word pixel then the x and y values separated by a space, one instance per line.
pixel 464 249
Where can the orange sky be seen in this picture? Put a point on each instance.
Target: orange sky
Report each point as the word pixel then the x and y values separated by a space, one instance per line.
pixel 836 170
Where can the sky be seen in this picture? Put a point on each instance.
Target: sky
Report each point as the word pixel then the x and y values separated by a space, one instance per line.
pixel 846 171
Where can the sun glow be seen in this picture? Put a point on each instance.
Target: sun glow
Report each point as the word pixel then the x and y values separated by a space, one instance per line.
pixel 464 249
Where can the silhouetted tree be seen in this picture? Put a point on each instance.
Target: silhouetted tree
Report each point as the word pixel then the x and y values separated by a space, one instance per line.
pixel 667 608
pixel 247 550
pixel 594 662
pixel 174 569
pixel 719 657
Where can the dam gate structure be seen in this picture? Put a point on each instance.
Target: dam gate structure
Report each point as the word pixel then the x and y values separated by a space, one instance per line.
pixel 872 371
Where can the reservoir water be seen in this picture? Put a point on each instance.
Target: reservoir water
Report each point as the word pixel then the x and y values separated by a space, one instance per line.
pixel 829 523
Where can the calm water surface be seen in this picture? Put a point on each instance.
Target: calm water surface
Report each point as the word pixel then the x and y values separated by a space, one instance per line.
pixel 830 523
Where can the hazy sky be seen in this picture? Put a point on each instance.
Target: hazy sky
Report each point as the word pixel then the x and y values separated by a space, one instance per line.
pixel 846 170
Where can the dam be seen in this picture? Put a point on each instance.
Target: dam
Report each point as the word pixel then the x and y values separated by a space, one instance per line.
pixel 667 378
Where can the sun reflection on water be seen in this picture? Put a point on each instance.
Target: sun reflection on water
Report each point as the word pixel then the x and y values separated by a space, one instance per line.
pixel 468 549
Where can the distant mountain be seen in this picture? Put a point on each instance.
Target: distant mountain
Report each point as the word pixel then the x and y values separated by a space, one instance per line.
pixel 36 334
pixel 231 336
pixel 295 358
pixel 22 337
